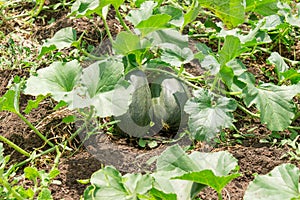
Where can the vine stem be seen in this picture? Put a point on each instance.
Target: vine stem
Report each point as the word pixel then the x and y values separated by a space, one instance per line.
pixel 294 127
pixel 175 76
pixel 107 29
pixel 35 129
pixel 247 111
pixel 122 22
pixel 40 8
pixel 14 146
pixel 220 196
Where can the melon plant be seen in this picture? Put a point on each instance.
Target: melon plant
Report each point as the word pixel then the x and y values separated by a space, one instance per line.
pixel 157 104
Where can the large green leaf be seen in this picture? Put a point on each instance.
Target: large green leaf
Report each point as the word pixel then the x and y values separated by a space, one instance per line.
pixel 100 85
pixel 221 163
pixel 143 13
pixel 153 23
pixel 175 163
pixel 126 43
pixel 230 50
pixel 87 7
pixel 175 55
pixel 84 7
pixel 207 177
pixel 274 103
pixel 59 79
pixel 63 38
pixel 209 113
pixel 110 184
pixel 176 14
pixel 104 89
pixel 231 12
pixel 210 63
pixel 168 36
pixel 265 7
pixel 281 183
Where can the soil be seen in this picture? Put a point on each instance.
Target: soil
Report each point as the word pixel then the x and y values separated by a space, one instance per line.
pixel 253 156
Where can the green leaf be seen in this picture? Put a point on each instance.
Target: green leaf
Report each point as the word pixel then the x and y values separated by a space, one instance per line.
pixel 31 173
pixel 10 101
pixel 221 163
pixel 281 183
pixel 45 194
pixel 104 88
pixel 137 183
pixel 266 7
pixel 153 23
pixel 168 36
pixel 143 13
pixel 207 177
pixel 126 43
pixel 230 50
pixel 210 63
pixel 110 184
pixel 231 12
pixel 292 75
pixel 7 101
pixel 63 38
pixel 274 103
pixel 280 65
pixel 176 14
pixel 238 76
pixel 53 173
pixel 59 80
pixel 34 103
pixel 191 13
pixel 82 8
pixel 209 114
pixel 116 3
pixel 172 159
pixel 175 55
pixel 174 162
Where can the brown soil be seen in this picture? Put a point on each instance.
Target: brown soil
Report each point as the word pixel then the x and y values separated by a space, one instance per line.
pixel 253 157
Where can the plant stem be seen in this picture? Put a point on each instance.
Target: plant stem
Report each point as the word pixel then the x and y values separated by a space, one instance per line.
pixel 175 76
pixel 40 8
pixel 107 29
pixel 31 159
pixel 89 55
pixel 220 196
pixel 14 146
pixel 35 129
pixel 247 111
pixel 121 20
pixel 294 127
